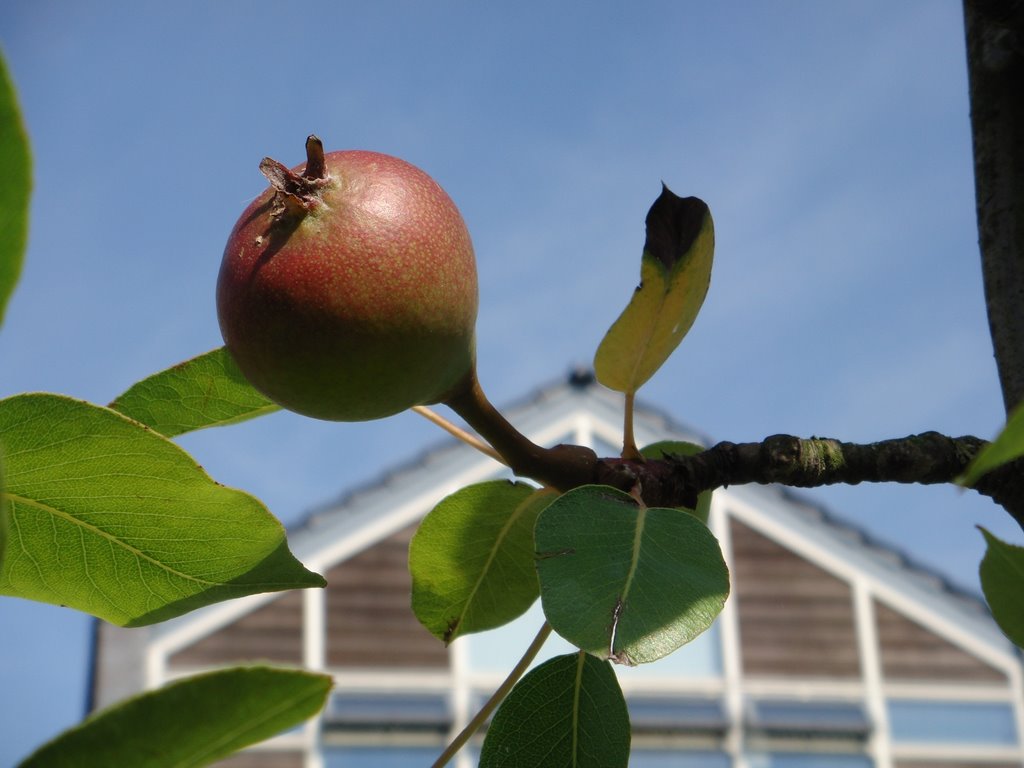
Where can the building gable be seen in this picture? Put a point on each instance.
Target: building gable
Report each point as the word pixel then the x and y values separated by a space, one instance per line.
pixel 370 624
pixel 271 632
pixel 795 618
pixel 912 653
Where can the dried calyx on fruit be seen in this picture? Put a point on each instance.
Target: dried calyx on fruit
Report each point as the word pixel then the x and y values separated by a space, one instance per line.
pixel 348 288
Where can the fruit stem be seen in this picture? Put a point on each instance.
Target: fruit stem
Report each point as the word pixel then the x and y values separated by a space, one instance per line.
pixel 316 166
pixel 562 467
pixel 297 194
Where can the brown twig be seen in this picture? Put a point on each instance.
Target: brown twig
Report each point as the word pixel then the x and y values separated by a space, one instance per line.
pixel 925 459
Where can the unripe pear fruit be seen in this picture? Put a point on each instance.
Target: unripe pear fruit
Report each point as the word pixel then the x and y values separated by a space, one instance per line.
pixel 348 288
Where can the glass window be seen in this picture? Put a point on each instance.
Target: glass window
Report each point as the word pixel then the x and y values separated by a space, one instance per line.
pixel 790 716
pixel 970 722
pixel 379 757
pixel 664 758
pixel 401 711
pixel 661 758
pixel 668 713
pixel 498 650
pixel 808 760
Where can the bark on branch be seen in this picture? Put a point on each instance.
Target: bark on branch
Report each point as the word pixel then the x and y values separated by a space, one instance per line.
pixel 927 458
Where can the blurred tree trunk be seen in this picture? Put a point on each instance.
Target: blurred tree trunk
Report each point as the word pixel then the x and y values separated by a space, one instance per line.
pixel 995 66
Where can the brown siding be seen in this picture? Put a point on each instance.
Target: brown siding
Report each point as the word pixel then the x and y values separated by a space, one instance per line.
pixel 795 619
pixel 911 652
pixel 272 632
pixel 369 619
pixel 263 760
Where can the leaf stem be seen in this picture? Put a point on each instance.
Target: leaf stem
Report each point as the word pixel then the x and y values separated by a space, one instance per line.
pixel 629 449
pixel 458 432
pixel 496 698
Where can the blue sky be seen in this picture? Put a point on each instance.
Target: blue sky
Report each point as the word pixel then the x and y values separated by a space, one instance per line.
pixel 831 141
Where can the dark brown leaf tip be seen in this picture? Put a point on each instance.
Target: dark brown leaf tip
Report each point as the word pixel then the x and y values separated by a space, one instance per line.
pixel 449 633
pixel 673 224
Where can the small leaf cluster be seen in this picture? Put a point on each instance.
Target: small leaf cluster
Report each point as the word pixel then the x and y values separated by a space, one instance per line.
pixel 622 582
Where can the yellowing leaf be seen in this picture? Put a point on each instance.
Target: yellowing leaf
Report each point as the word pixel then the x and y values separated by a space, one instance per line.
pixel 675 271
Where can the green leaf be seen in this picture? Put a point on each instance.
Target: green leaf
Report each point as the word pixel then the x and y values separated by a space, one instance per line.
pixel 3 513
pixel 665 449
pixel 15 188
pixel 191 722
pixel 109 517
pixel 566 713
pixel 1002 581
pixel 675 271
pixel 206 391
pixel 625 582
pixel 472 558
pixel 1008 445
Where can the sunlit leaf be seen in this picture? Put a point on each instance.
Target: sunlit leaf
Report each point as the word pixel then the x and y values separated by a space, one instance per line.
pixel 472 558
pixel 1008 445
pixel 1002 581
pixel 3 514
pixel 206 391
pixel 566 713
pixel 191 722
pixel 109 517
pixel 666 448
pixel 675 271
pixel 623 581
pixel 15 188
